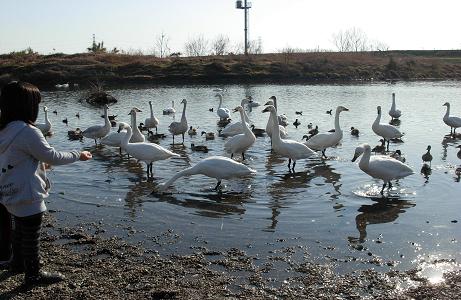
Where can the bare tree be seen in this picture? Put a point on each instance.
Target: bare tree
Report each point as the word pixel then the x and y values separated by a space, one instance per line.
pixel 197 46
pixel 342 41
pixel 220 45
pixel 161 45
pixel 379 46
pixel 353 39
pixel 255 46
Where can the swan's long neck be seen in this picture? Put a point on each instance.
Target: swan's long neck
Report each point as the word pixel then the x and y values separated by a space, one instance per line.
pixel 106 118
pixel 447 114
pixel 246 130
pixel 220 101
pixel 275 128
pixel 393 102
pixel 127 137
pixel 172 104
pixel 47 121
pixel 378 118
pixel 183 117
pixel 275 104
pixel 337 128
pixel 246 117
pixel 151 111
pixel 185 172
pixel 365 160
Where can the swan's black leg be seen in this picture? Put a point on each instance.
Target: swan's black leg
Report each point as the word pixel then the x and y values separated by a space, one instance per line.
pixel 173 139
pixel 323 153
pixel 218 185
pixel 243 156
pixel 390 185
pixel 120 150
pixel 387 145
pixel 289 164
pixel 294 164
pixel 183 138
pixel 232 155
pixel 382 190
pixel 156 130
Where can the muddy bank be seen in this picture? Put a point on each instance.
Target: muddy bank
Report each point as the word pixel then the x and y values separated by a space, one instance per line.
pixel 100 267
pixel 46 71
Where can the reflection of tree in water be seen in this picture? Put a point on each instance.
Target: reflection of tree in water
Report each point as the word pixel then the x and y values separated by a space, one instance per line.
pixel 386 210
pixel 286 187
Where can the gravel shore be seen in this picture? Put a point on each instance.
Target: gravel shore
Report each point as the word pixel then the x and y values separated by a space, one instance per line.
pixel 100 267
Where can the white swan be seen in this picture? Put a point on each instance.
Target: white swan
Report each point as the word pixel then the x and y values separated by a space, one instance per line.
pixel 170 110
pixel 218 167
pixel 453 122
pixel 240 142
pixel 98 131
pixel 394 113
pixel 322 141
pixel 386 131
pixel 177 128
pixel 223 113
pixel 270 121
pixel 45 128
pixel 236 128
pixel 287 148
pixel 146 152
pixel 282 119
pixel 152 121
pixel 115 139
pixel 381 166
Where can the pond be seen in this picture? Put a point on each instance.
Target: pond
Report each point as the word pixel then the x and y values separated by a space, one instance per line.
pixel 328 210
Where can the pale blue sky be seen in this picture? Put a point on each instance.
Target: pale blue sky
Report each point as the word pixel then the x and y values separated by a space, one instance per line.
pixel 67 26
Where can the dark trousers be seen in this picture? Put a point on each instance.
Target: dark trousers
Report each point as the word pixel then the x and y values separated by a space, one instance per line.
pixel 26 239
pixel 5 234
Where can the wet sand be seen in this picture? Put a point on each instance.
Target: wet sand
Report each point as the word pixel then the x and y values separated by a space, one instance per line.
pixel 101 267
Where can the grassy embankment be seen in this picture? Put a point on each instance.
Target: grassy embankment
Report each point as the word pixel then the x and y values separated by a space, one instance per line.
pixel 116 69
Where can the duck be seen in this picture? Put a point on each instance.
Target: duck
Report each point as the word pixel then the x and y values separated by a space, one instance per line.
pixel 282 119
pixel 75 134
pixel 354 131
pixel 152 121
pixel 55 112
pixel 208 135
pixel 192 131
pixel 65 121
pixel 313 131
pixel 154 137
pixel 257 131
pixel 146 152
pixel 237 128
pixel 459 152
pixel 98 131
pixel 397 154
pixel 223 113
pixel 322 141
pixel 211 109
pixel 380 148
pixel 381 166
pixel 241 142
pixel 299 113
pixel 296 123
pixel 310 125
pixel 427 157
pixel 453 122
pixel 287 148
pixel 329 112
pixel 45 128
pixel 170 110
pixel 200 148
pixel 115 139
pixel 77 115
pixel 386 131
pixel 217 167
pixel 393 112
pixel 177 128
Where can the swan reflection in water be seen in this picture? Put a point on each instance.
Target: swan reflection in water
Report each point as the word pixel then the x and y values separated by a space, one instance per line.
pixel 385 210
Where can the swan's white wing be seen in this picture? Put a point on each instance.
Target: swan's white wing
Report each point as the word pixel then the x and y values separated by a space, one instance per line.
pixel 113 139
pixel 387 131
pixel 323 140
pixel 221 168
pixel 148 152
pixel 151 122
pixel 453 122
pixel 293 149
pixel 93 131
pixel 387 168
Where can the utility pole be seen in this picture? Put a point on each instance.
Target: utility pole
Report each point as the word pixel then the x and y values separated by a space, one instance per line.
pixel 246 6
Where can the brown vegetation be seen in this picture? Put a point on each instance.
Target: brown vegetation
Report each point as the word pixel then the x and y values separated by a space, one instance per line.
pixel 48 70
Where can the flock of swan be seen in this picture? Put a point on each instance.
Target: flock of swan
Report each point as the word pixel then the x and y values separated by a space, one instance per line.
pixel 241 136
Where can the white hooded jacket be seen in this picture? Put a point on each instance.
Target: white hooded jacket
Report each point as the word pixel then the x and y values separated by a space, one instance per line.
pixel 23 182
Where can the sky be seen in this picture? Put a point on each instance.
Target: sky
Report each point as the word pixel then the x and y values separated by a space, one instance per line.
pixel 68 26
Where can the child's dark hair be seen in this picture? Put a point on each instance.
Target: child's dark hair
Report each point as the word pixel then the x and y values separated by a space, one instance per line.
pixel 19 102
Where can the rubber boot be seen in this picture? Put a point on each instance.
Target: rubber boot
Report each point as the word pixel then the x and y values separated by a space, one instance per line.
pixel 17 261
pixel 35 276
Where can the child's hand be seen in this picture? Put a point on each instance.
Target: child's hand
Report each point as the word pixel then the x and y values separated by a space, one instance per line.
pixel 85 155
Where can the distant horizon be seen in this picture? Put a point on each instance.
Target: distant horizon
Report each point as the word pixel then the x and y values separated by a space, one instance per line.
pixel 50 26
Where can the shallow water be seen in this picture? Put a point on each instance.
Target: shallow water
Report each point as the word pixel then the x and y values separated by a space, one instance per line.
pixel 328 210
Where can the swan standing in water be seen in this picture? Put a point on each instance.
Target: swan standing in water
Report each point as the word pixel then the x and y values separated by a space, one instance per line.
pixel 287 148
pixel 273 120
pixel 146 152
pixel 98 131
pixel 381 166
pixel 169 110
pixel 45 128
pixel 394 113
pixel 240 142
pixel 218 167
pixel 282 119
pixel 386 131
pixel 223 113
pixel 177 128
pixel 453 122
pixel 152 121
pixel 322 141
pixel 115 139
pixel 237 128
